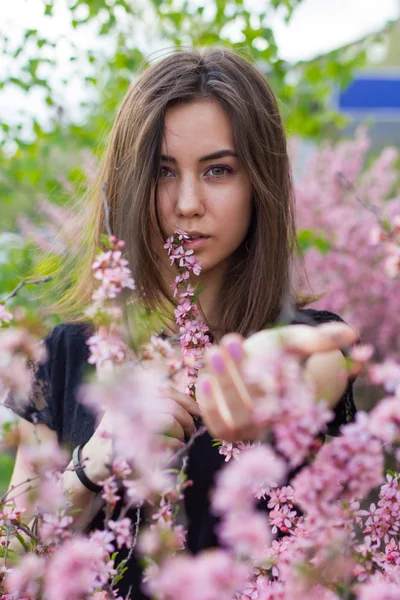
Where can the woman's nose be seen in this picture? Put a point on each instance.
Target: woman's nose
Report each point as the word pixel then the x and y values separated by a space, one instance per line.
pixel 190 202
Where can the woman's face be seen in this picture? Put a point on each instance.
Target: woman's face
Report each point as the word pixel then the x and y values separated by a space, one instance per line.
pixel 203 189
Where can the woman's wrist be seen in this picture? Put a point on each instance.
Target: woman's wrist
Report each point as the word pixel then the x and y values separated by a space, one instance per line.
pixel 95 463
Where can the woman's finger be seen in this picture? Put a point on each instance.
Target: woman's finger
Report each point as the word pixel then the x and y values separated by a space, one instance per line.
pixel 230 392
pixel 171 443
pixel 219 424
pixel 185 401
pixel 183 417
pixel 210 410
pixel 302 339
pixel 166 424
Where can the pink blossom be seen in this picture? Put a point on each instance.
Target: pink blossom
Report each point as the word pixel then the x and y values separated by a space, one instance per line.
pixel 383 520
pixel 110 490
pixel 106 348
pixel 386 374
pixel 112 271
pixel 353 272
pixel 286 403
pixel 207 576
pixel 26 578
pixel 283 518
pixel 122 531
pixel 55 528
pixel 239 482
pixel 232 449
pixel 76 569
pixel 103 539
pixel 385 420
pixel 378 590
pixel 5 316
pixel 247 535
pixel 346 468
pixel 362 352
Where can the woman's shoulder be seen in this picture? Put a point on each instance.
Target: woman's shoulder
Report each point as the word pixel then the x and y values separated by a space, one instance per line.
pixel 69 334
pixel 52 379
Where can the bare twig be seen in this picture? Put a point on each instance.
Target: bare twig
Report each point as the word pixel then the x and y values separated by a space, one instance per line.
pixel 183 451
pixel 23 283
pixel 6 548
pixel 106 208
pixel 351 187
pixel 28 532
pixel 134 542
pixel 135 537
pixel 4 498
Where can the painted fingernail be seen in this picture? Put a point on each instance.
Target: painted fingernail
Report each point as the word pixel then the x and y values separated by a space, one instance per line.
pixel 235 350
pixel 217 362
pixel 206 387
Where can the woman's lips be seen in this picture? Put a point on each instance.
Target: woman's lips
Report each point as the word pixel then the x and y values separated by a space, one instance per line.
pixel 197 243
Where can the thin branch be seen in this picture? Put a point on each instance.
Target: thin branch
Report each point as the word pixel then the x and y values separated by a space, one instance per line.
pixel 106 208
pixel 183 451
pixel 4 498
pixel 6 548
pixel 23 283
pixel 28 532
pixel 134 542
pixel 351 187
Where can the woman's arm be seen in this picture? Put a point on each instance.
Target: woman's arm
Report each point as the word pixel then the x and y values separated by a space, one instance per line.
pixel 175 422
pixel 84 503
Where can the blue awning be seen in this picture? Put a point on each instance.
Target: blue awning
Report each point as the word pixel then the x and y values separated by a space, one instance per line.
pixel 371 94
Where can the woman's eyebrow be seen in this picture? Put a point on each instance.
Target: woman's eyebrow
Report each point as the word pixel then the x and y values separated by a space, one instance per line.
pixel 212 156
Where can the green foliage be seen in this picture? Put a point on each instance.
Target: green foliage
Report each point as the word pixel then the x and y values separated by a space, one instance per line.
pixel 6 467
pixel 38 167
pixel 308 238
pixel 47 161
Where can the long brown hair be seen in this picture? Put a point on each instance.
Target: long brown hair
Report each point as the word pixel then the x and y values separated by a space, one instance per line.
pixel 258 276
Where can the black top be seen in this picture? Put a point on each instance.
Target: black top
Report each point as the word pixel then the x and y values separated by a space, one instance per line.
pixel 53 402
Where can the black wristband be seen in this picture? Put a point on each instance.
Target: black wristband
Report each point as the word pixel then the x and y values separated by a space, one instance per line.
pixel 80 473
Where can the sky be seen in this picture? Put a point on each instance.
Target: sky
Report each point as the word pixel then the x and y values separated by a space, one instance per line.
pixel 316 27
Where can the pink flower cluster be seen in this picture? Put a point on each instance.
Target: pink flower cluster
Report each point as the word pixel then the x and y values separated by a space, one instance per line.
pixel 5 315
pixel 389 236
pixel 193 332
pixel 286 404
pixel 243 529
pixel 111 270
pixel 340 199
pixel 282 516
pixel 108 346
pixel 18 348
pixel 138 445
pixel 383 520
pixel 163 538
pixel 210 575
pixel 345 470
pixel 106 349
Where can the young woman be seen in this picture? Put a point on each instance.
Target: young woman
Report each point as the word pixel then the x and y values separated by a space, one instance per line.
pixel 198 144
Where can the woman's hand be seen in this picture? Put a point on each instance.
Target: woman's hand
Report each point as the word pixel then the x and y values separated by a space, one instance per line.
pixel 225 400
pixel 175 424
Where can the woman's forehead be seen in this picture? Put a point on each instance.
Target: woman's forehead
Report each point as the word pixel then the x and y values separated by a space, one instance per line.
pixel 198 128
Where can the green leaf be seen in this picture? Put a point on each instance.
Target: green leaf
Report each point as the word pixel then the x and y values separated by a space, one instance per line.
pixel 309 239
pixel 22 542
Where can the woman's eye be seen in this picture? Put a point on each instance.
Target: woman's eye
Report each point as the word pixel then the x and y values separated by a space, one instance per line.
pixel 219 172
pixel 165 172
